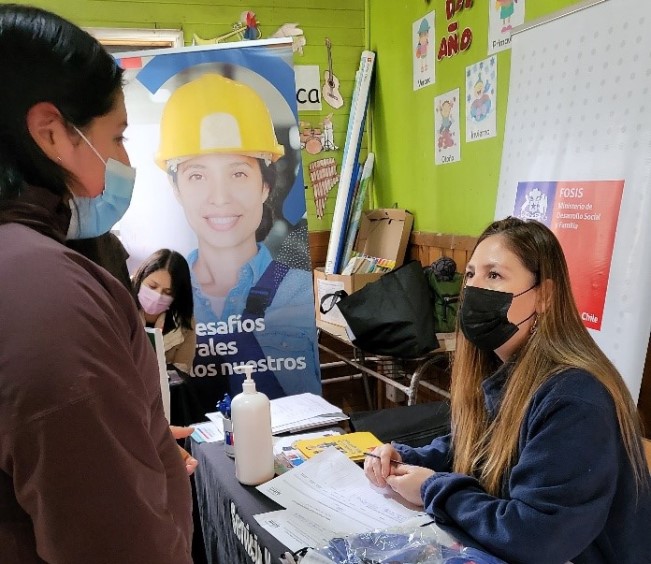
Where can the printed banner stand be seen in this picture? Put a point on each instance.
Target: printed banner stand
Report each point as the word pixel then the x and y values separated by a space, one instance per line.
pixel 213 134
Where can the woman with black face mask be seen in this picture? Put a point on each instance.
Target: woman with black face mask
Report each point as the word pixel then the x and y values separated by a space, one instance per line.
pixel 544 463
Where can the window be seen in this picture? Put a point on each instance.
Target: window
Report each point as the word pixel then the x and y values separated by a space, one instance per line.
pixel 119 40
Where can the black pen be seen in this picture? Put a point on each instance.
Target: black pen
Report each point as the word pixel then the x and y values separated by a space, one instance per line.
pixel 392 460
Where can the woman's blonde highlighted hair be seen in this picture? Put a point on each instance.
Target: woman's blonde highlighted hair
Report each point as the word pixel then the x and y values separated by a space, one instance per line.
pixel 488 450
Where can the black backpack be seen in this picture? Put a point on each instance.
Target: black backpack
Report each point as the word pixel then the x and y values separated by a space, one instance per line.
pixel 445 285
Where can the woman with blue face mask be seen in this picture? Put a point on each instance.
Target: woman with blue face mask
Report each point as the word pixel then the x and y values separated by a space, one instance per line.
pixel 87 460
pixel 544 464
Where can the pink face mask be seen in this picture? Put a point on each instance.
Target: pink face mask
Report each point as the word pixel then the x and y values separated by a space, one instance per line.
pixel 152 302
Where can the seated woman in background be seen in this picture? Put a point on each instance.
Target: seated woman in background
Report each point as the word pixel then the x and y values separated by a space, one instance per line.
pixel 164 293
pixel 544 463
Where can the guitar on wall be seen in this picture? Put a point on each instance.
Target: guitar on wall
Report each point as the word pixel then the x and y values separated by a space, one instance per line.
pixel 330 88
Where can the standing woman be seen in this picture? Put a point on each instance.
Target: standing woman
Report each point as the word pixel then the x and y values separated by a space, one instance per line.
pixel 164 292
pixel 88 468
pixel 544 464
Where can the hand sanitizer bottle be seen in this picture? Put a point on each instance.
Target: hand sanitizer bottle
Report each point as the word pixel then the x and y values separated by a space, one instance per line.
pixel 251 415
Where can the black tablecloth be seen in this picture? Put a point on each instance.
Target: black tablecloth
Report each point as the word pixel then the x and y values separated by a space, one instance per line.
pixel 226 507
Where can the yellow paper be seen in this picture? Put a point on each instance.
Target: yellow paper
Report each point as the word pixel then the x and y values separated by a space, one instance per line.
pixel 353 445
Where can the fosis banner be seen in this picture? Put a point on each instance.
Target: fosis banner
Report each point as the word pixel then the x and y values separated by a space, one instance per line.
pixel 576 157
pixel 213 134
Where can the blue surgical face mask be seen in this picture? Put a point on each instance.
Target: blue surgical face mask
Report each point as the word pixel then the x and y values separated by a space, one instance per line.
pixel 92 217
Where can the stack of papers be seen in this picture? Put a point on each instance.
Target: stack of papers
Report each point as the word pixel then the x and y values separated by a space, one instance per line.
pixel 303 411
pixel 329 496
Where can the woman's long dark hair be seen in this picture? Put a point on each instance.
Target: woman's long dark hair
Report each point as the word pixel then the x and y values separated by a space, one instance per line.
pixel 180 312
pixel 45 58
pixel 489 449
pixel 269 175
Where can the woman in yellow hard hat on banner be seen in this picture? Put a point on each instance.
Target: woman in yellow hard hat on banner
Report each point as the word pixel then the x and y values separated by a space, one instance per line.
pixel 219 148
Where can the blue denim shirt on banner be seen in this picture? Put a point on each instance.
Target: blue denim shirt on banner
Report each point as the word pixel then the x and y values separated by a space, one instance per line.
pixel 290 329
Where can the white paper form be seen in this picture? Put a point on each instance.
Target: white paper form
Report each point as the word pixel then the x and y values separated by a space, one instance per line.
pixel 295 530
pixel 332 493
pixel 294 412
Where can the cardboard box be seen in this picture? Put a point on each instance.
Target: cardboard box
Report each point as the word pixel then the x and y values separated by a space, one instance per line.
pixel 383 233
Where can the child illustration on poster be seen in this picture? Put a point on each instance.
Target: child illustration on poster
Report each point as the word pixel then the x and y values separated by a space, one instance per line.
pixel 503 16
pixel 223 193
pixel 446 125
pixel 481 100
pixel 583 215
pixel 423 54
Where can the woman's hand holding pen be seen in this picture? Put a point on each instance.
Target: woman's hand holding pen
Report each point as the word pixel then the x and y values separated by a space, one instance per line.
pixel 384 467
pixel 407 480
pixel 381 464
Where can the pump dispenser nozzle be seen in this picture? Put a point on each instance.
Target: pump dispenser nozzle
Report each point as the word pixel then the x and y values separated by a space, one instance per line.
pixel 248 386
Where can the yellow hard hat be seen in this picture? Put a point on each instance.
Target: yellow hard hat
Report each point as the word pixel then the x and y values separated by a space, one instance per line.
pixel 214 114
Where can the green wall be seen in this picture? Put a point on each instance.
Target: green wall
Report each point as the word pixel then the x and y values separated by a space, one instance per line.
pixel 343 21
pixel 452 198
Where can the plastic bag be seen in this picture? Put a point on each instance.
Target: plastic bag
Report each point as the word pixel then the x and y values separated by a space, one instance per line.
pixel 409 543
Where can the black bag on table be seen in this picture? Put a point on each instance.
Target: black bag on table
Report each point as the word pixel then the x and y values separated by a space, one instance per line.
pixel 393 315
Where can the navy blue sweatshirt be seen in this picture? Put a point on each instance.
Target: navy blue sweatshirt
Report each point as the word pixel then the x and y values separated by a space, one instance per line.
pixel 571 495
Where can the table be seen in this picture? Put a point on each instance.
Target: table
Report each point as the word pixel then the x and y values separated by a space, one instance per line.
pixel 231 534
pixel 359 360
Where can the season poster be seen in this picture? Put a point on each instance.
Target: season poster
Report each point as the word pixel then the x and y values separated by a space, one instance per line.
pixel 503 16
pixel 446 128
pixel 481 100
pixel 423 46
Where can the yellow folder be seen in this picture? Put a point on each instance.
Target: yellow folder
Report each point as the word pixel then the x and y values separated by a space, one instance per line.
pixel 353 445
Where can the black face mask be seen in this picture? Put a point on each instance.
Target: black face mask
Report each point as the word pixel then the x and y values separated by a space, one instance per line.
pixel 483 320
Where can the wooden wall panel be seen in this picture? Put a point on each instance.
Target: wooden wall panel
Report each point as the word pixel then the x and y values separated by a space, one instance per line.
pixel 423 247
pixel 318 241
pixel 427 247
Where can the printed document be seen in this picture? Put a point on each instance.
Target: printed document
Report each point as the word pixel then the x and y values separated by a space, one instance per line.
pixel 296 413
pixel 303 411
pixel 329 496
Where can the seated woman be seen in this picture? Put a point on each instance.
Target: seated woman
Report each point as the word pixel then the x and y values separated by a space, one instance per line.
pixel 544 463
pixel 164 293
